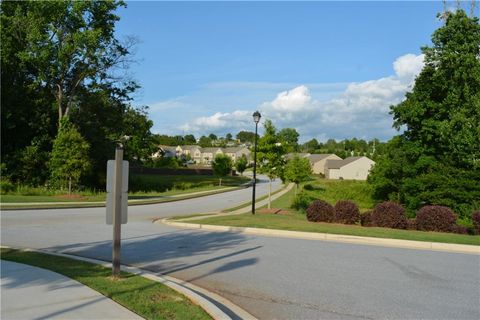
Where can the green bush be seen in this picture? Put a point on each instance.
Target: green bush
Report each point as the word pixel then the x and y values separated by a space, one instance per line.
pixel 301 202
pixel 6 186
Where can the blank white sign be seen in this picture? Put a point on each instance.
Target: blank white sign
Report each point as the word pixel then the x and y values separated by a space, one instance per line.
pixel 124 205
pixel 111 173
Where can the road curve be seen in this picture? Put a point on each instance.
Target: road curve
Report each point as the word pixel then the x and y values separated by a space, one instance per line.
pixel 269 277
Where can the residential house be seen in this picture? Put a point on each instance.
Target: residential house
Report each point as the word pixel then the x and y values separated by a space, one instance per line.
pixel 209 154
pixel 237 152
pixel 318 161
pixel 351 168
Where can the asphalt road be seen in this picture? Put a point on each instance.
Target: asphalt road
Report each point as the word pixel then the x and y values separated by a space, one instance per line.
pixel 269 277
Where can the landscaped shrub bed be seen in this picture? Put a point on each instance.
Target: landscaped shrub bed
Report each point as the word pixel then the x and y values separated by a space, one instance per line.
pixel 347 212
pixel 366 219
pixel 320 211
pixel 476 221
pixel 389 214
pixel 436 218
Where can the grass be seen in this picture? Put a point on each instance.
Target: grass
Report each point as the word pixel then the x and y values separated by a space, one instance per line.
pixel 296 221
pixel 147 298
pixel 249 203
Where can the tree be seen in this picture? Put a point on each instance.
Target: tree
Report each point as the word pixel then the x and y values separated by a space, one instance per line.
pixel 246 136
pixel 140 144
pixel 311 145
pixel 228 137
pixel 205 142
pixel 289 137
pixel 440 116
pixel 297 170
pixel 190 139
pixel 69 159
pixel 270 155
pixel 241 164
pixel 212 137
pixel 73 45
pixel 222 166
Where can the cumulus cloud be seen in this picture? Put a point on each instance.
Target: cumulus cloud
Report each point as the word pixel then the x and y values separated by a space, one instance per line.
pixel 361 110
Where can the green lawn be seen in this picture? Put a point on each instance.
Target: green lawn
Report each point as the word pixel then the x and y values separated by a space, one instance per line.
pixel 171 186
pixel 296 221
pixel 147 298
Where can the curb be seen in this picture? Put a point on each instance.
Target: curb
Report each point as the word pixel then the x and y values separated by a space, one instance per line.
pixel 396 243
pixel 194 293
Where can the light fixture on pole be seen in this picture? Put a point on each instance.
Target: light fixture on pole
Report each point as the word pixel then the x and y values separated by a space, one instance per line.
pixel 256 119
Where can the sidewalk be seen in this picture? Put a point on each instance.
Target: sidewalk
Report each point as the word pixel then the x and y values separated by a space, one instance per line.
pixel 33 293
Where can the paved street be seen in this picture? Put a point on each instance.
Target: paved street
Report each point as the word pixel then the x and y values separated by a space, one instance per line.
pixel 269 277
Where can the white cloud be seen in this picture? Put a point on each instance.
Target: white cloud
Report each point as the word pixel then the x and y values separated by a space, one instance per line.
pixel 361 110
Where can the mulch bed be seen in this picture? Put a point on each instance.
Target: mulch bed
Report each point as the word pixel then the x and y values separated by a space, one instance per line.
pixel 272 211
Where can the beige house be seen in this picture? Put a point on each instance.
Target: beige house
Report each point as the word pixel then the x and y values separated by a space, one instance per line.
pixel 237 152
pixel 351 168
pixel 209 154
pixel 318 161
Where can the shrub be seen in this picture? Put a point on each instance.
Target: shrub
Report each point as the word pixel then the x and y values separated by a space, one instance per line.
pixel 308 186
pixel 366 219
pixel 459 229
pixel 347 212
pixel 320 210
pixel 476 221
pixel 389 214
pixel 411 224
pixel 436 218
pixel 6 186
pixel 301 202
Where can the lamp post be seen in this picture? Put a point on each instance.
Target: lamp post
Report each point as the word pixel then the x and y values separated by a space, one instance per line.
pixel 256 119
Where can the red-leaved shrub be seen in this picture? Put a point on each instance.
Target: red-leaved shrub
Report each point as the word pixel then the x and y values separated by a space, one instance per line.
pixel 320 210
pixel 389 214
pixel 436 218
pixel 366 219
pixel 476 221
pixel 346 212
pixel 411 224
pixel 460 229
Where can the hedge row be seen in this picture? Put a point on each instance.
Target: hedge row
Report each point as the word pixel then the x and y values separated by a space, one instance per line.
pixel 390 214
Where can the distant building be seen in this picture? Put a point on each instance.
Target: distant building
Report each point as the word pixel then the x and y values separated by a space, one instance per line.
pixel 351 168
pixel 318 161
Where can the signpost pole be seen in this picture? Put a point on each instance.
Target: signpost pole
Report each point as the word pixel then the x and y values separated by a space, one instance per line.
pixel 117 210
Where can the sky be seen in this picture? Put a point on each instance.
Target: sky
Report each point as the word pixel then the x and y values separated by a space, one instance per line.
pixel 327 69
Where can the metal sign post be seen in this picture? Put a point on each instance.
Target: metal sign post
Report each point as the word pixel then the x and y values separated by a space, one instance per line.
pixel 117 203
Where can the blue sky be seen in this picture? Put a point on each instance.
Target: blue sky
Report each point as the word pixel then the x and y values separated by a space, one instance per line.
pixel 324 68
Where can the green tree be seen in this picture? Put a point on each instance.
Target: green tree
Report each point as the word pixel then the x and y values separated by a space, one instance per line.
pixel 270 155
pixel 228 137
pixel 297 170
pixel 69 159
pixel 246 136
pixel 440 117
pixel 289 137
pixel 140 144
pixel 205 142
pixel 222 166
pixel 241 164
pixel 190 139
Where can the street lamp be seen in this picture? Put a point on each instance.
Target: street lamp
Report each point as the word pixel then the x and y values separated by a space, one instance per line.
pixel 256 119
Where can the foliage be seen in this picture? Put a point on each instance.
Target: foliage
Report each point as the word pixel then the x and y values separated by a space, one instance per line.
pixel 436 218
pixel 366 219
pixel 346 148
pixel 389 214
pixel 346 212
pixel 165 162
pixel 6 186
pixel 241 164
pixel 437 158
pixel 222 165
pixel 297 170
pixel 140 144
pixel 270 152
pixel 411 224
pixel 69 159
pixel 289 137
pixel 205 142
pixel 246 136
pixel 320 211
pixel 301 202
pixel 476 221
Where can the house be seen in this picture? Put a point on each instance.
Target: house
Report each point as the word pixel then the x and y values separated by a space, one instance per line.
pixel 237 152
pixel 165 151
pixel 351 168
pixel 209 154
pixel 318 161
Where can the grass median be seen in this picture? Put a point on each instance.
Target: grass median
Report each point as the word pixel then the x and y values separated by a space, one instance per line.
pixel 147 298
pixel 296 221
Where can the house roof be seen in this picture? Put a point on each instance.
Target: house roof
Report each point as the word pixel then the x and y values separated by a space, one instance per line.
pixel 319 156
pixel 190 147
pixel 168 148
pixel 211 150
pixel 234 149
pixel 337 164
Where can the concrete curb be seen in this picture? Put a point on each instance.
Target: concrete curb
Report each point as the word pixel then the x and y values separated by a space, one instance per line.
pixel 191 291
pixel 396 243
